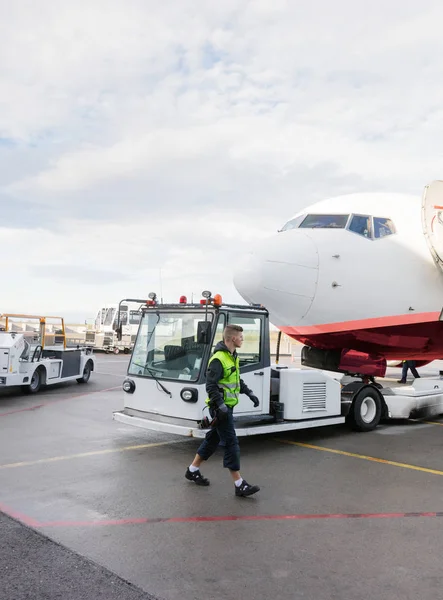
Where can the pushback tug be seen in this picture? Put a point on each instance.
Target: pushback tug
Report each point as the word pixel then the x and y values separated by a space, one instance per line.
pixel 31 360
pixel 165 383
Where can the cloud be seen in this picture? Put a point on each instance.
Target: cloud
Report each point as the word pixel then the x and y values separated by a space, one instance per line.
pixel 80 275
pixel 168 136
pixel 81 264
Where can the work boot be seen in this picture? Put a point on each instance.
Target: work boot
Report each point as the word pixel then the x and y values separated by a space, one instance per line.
pixel 245 489
pixel 196 477
pixel 401 381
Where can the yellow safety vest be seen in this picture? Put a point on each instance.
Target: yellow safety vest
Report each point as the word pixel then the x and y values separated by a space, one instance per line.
pixel 230 382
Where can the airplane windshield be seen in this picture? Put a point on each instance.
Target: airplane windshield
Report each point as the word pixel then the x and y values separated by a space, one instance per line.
pixel 383 227
pixel 371 227
pixel 293 223
pixel 364 225
pixel 317 221
pixel 361 224
pixel 324 222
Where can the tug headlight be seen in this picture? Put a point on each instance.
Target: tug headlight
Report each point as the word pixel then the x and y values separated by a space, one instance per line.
pixel 189 395
pixel 128 386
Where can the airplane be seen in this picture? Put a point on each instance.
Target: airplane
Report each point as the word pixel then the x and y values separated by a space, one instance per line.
pixel 358 279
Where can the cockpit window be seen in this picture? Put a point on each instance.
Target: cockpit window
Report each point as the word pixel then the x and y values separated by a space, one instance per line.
pixel 364 225
pixel 324 222
pixel 383 227
pixel 293 223
pixel 361 224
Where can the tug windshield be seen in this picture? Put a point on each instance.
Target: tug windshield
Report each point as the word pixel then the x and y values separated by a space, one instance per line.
pixel 167 347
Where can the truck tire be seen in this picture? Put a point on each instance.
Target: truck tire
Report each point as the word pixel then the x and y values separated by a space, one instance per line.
pixel 116 351
pixel 35 383
pixel 86 373
pixel 366 410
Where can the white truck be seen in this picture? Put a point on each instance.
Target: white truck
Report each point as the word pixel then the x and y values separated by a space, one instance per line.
pixel 165 385
pixel 34 360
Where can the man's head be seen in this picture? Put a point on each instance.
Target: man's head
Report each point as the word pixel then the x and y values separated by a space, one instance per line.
pixel 233 336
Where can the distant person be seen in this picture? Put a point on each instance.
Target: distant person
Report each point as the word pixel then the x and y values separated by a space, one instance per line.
pixel 408 364
pixel 223 385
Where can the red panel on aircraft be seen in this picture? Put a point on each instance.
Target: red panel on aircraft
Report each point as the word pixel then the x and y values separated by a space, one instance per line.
pixel 387 337
pixel 363 364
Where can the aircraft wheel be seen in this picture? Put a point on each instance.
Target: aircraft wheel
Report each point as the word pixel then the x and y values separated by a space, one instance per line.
pixel 366 410
pixel 36 382
pixel 86 373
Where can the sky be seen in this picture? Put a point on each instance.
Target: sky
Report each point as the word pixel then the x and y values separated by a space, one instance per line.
pixel 145 145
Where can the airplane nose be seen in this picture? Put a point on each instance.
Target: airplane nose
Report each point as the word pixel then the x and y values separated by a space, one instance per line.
pixel 281 274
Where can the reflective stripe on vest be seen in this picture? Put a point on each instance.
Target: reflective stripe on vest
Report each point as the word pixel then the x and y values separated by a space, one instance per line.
pixel 229 384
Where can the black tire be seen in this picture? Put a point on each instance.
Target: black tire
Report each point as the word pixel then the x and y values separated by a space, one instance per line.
pixel 86 373
pixel 35 383
pixel 366 410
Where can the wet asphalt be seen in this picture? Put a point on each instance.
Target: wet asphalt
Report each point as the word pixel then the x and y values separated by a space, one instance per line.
pixel 91 507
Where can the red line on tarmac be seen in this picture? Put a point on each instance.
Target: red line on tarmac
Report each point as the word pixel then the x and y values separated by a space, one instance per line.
pixel 18 410
pixel 19 516
pixel 237 518
pixel 11 412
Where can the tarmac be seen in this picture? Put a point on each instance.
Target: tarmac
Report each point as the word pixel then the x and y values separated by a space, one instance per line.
pixel 91 508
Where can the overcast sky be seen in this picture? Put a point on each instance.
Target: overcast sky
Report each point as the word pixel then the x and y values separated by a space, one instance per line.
pixel 140 136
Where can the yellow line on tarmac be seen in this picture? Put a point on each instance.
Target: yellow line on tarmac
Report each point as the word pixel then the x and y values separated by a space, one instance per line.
pixel 433 423
pixel 85 454
pixel 363 457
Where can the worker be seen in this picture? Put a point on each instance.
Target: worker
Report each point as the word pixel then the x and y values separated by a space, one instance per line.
pixel 408 364
pixel 223 385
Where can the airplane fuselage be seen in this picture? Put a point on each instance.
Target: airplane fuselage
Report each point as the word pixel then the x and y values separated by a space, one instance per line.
pixel 338 280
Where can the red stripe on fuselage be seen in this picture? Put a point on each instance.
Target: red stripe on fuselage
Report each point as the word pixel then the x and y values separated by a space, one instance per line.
pixel 391 321
pixel 412 336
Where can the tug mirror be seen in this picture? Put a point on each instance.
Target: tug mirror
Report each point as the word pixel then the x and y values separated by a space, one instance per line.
pixel 204 332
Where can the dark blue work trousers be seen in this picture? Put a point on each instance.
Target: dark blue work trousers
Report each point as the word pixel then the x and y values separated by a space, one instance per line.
pixel 223 431
pixel 409 364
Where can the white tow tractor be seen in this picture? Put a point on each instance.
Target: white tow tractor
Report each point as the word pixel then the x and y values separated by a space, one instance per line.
pixel 39 356
pixel 165 384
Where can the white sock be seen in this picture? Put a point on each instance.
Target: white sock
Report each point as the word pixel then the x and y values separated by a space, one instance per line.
pixel 238 482
pixel 193 469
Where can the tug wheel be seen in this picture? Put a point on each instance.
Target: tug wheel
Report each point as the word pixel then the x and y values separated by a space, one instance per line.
pixel 36 382
pixel 86 373
pixel 366 410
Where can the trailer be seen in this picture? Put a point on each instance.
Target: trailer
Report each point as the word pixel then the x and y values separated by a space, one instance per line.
pixel 40 356
pixel 123 317
pixel 108 342
pixel 165 385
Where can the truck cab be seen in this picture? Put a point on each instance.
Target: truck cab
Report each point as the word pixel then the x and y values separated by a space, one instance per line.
pixel 172 350
pixel 165 384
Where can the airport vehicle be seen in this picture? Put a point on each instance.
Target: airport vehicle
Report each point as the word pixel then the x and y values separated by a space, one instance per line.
pixel 357 279
pixel 165 384
pixel 36 358
pixel 110 316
